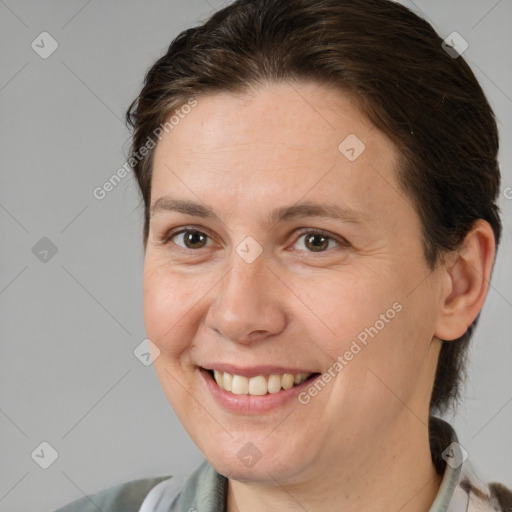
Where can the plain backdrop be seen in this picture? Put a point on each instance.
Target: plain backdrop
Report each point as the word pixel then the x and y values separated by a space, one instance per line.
pixel 70 282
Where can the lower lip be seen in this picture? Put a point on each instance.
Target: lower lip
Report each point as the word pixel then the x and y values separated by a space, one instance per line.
pixel 250 404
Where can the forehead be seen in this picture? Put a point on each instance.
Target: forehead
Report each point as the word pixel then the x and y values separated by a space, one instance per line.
pixel 305 117
pixel 284 141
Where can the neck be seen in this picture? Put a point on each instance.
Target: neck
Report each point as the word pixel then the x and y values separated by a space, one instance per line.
pixel 394 473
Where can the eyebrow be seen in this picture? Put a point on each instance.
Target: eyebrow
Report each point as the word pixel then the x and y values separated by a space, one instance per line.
pixel 299 210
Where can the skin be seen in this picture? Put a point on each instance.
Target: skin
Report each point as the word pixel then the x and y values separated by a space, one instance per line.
pixel 362 442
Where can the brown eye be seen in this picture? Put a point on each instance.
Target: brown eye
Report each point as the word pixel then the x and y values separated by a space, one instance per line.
pixel 317 242
pixel 192 239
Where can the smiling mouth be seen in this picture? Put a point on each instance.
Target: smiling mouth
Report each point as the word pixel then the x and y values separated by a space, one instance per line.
pixel 260 385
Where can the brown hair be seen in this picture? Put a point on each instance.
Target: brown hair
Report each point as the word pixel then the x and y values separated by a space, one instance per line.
pixel 428 102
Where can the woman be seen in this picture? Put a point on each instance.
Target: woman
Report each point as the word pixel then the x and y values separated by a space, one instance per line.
pixel 319 181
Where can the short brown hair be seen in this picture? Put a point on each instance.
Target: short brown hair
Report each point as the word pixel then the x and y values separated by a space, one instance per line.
pixel 392 61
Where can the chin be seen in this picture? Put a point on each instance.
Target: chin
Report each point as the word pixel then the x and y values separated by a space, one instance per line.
pixel 246 465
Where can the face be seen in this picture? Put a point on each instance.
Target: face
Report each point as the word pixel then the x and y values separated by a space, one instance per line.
pixel 279 244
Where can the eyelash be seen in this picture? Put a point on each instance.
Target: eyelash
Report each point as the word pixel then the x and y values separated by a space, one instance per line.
pixel 166 238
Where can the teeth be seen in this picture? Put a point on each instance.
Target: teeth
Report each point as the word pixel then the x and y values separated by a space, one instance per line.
pixel 240 385
pixel 274 383
pixel 228 381
pixel 257 386
pixel 287 381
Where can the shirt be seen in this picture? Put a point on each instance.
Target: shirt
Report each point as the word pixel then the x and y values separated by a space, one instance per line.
pixel 205 490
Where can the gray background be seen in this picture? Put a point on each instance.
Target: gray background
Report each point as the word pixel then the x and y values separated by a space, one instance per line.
pixel 69 325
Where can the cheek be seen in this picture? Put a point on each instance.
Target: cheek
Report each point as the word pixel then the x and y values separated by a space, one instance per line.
pixel 344 309
pixel 171 303
pixel 390 366
pixel 373 327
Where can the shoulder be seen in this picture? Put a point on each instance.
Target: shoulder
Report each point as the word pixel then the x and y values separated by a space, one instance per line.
pixel 491 496
pixel 502 495
pixel 125 497
pixel 471 492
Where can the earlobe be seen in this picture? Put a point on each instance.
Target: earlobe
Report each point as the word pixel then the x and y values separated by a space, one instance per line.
pixel 467 273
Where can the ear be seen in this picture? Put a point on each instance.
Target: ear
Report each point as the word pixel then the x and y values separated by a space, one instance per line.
pixel 467 273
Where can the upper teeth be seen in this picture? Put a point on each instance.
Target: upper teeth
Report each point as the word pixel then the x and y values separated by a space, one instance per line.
pixel 260 385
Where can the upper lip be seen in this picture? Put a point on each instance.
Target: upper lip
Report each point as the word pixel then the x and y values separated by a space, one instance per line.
pixel 254 371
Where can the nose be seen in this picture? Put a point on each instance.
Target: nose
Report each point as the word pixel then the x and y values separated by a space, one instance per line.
pixel 249 303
